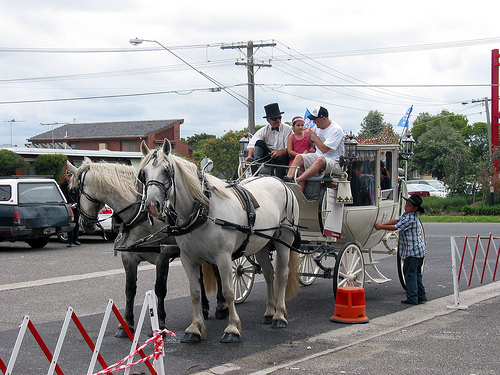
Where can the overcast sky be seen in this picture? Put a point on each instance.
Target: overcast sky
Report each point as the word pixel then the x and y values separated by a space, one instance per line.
pixel 65 61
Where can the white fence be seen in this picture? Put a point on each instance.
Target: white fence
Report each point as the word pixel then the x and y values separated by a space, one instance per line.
pixel 125 365
pixel 474 260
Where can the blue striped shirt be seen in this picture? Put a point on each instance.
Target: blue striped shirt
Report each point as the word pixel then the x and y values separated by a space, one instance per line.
pixel 412 243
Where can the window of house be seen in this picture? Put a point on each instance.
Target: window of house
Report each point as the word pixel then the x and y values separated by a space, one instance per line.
pixel 74 145
pixel 103 146
pixel 129 146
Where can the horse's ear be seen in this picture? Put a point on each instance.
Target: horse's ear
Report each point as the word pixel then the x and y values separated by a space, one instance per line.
pixel 167 147
pixel 144 148
pixel 87 159
pixel 71 167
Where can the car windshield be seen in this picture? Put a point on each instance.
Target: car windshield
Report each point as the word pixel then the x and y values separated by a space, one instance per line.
pixel 39 192
pixel 436 184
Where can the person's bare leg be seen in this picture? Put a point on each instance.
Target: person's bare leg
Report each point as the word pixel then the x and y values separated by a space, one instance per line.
pixel 297 162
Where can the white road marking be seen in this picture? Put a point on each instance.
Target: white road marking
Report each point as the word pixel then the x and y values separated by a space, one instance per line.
pixel 70 278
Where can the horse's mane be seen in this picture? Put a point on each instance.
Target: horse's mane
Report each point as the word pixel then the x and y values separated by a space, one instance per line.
pixel 119 178
pixel 189 173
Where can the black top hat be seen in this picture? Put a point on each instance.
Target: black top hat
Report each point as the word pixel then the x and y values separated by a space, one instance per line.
pixel 272 110
pixel 416 201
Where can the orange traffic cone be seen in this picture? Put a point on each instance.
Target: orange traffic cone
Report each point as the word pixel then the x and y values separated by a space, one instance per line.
pixel 350 305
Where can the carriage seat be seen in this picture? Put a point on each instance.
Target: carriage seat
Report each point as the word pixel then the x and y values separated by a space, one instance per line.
pixel 314 185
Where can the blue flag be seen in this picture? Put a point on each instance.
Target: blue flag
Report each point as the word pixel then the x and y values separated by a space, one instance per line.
pixel 404 120
pixel 307 122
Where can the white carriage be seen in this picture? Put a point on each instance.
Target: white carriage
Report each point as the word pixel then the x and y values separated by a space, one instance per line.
pixel 338 237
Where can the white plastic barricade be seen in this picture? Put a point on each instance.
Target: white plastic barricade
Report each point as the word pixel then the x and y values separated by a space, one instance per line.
pixel 473 258
pixel 149 307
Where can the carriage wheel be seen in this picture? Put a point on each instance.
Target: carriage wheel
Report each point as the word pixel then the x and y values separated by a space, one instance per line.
pixel 307 265
pixel 243 277
pixel 349 267
pixel 400 261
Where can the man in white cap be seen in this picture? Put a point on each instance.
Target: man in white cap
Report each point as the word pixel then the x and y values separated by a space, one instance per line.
pixel 328 137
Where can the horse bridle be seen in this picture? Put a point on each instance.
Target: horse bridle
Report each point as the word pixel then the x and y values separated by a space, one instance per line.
pixel 165 187
pixel 94 219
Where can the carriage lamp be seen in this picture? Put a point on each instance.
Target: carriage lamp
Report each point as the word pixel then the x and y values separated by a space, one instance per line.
pixel 407 143
pixel 244 144
pixel 351 150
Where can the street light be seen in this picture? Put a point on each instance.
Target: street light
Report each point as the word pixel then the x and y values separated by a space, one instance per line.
pixel 137 41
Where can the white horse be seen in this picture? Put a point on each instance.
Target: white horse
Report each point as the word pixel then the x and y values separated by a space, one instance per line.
pixel 213 226
pixel 117 186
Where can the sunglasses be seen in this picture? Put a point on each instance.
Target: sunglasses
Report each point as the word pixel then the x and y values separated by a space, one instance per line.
pixel 275 118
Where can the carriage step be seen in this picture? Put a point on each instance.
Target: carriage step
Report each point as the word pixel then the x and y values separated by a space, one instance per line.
pixel 377 280
pixel 372 263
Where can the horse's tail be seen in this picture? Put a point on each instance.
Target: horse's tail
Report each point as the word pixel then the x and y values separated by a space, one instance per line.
pixel 292 286
pixel 209 279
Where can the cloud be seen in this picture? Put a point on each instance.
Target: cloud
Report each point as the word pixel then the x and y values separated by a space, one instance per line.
pixel 318 43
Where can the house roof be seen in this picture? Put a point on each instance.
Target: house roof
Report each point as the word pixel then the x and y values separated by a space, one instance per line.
pixel 107 129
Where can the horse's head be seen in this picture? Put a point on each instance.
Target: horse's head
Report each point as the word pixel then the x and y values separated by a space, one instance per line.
pixel 88 205
pixel 156 173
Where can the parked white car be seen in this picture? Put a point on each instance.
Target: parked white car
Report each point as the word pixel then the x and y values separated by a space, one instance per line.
pixel 436 184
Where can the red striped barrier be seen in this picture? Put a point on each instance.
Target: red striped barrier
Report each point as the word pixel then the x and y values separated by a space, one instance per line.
pixel 474 250
pixel 149 307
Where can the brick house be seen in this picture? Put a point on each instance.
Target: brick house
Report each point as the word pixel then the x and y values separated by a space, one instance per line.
pixel 116 136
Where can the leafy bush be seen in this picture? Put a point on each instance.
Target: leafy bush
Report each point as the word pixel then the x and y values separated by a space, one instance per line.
pixel 10 162
pixel 50 164
pixel 482 210
pixel 438 206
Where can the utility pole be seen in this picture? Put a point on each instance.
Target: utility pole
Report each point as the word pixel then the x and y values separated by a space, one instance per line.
pixel 250 64
pixel 12 121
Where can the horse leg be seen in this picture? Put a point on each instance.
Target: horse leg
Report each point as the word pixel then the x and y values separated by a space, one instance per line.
pixel 282 258
pixel 264 260
pixel 130 291
pixel 205 305
pixel 232 333
pixel 222 311
pixel 162 267
pixel 196 331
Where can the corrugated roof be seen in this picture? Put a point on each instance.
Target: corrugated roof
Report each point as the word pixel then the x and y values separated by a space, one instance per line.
pixel 107 129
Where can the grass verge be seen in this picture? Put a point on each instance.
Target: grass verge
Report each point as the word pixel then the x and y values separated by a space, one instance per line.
pixel 460 219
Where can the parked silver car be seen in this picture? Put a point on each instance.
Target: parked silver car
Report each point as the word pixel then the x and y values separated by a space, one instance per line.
pixel 436 184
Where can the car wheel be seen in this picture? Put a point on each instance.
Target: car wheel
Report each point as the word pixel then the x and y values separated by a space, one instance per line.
pixel 38 243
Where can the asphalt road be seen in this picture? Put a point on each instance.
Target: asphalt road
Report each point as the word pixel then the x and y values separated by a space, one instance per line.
pixel 43 283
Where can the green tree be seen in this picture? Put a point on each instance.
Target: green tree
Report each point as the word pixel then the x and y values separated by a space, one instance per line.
pixel 51 165
pixel 373 124
pixel 424 121
pixel 476 137
pixel 196 141
pixel 434 147
pixel 10 162
pixel 224 153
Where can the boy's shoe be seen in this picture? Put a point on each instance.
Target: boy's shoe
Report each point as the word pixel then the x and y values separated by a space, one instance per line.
pixel 289 179
pixel 408 302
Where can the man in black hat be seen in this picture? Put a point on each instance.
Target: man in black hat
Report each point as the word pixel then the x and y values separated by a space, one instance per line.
pixel 270 142
pixel 412 248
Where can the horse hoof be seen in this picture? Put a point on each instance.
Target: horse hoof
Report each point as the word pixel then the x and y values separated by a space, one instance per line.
pixel 121 334
pixel 230 338
pixel 279 324
pixel 191 338
pixel 268 320
pixel 222 314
